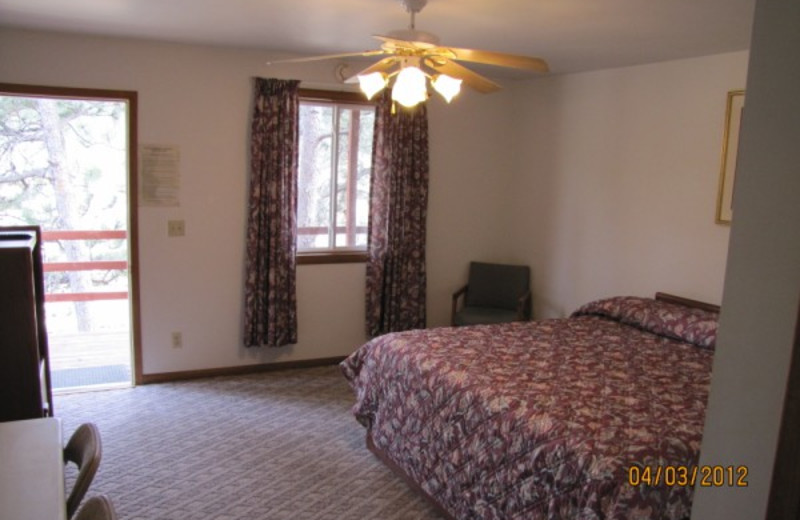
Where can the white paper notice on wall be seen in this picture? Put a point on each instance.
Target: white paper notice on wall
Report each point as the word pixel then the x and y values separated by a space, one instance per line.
pixel 159 175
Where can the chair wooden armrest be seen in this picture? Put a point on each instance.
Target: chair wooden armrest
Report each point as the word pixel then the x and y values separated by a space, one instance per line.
pixel 524 307
pixel 456 295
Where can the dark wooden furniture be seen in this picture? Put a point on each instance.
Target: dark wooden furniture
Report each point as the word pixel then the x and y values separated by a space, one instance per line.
pixel 25 391
pixel 680 300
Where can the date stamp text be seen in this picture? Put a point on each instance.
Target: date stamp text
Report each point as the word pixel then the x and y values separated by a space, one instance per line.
pixel 705 476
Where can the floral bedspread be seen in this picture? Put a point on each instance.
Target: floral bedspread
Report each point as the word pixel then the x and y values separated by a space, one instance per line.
pixel 543 419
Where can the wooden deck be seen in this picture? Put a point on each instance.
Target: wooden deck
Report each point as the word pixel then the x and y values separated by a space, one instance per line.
pixel 91 349
pixel 69 353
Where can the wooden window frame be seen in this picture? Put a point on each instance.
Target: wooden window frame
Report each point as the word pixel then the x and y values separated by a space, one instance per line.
pixel 343 256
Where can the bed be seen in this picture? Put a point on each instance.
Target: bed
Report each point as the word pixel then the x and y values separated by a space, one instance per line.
pixel 544 419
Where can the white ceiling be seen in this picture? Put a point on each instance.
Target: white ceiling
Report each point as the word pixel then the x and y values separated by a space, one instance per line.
pixel 572 35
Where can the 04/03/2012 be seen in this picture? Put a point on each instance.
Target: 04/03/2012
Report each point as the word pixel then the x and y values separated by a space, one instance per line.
pixel 706 476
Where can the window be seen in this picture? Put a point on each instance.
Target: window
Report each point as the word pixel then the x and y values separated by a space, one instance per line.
pixel 334 167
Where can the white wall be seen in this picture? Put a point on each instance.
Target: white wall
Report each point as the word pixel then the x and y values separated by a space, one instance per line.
pixel 198 98
pixel 762 286
pixel 470 189
pixel 617 172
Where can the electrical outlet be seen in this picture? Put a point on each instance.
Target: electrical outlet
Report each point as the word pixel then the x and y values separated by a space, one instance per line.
pixel 177 340
pixel 176 228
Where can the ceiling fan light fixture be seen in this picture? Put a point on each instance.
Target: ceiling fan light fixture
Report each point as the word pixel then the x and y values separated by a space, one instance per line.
pixel 447 86
pixel 409 87
pixel 409 58
pixel 373 83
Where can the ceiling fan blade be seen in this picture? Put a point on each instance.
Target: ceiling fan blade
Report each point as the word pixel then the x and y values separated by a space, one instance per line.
pixel 471 79
pixel 382 66
pixel 499 59
pixel 327 57
pixel 399 43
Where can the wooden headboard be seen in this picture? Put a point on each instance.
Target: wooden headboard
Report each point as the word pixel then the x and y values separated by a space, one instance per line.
pixel 671 298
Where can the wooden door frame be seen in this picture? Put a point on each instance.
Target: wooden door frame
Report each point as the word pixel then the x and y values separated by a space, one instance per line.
pixel 131 97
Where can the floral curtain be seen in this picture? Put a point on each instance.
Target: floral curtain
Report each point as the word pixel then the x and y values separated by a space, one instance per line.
pixel 270 306
pixel 396 278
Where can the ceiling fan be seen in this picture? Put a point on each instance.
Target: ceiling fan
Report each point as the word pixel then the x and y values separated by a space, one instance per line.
pixel 411 57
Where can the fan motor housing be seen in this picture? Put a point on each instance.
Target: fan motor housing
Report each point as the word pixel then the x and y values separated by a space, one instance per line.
pixel 414 6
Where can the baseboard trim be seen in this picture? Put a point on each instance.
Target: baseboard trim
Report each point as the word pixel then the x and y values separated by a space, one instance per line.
pixel 165 377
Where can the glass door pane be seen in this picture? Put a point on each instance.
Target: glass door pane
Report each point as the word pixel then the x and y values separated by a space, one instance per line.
pixel 64 167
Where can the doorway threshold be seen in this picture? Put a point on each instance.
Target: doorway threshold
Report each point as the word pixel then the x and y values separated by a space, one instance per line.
pixel 91 388
pixel 90 377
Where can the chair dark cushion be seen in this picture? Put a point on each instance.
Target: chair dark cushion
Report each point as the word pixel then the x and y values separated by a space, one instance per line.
pixel 496 285
pixel 479 315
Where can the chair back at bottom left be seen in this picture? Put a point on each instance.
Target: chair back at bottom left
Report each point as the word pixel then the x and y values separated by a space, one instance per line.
pixel 85 450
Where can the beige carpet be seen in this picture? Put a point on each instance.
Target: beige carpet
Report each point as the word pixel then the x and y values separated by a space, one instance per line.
pixel 279 445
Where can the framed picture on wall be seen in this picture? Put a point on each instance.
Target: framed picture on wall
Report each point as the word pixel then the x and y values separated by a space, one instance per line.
pixel 730 147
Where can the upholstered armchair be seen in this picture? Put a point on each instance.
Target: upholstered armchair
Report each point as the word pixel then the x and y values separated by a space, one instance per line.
pixel 495 293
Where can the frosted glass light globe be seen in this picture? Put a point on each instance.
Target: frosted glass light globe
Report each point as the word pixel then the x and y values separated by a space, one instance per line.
pixel 372 83
pixel 447 86
pixel 409 87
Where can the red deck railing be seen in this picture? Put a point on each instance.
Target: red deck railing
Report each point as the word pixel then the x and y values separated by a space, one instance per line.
pixel 102 265
pixel 51 236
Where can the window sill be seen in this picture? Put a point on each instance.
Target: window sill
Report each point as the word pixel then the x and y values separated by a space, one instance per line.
pixel 348 257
